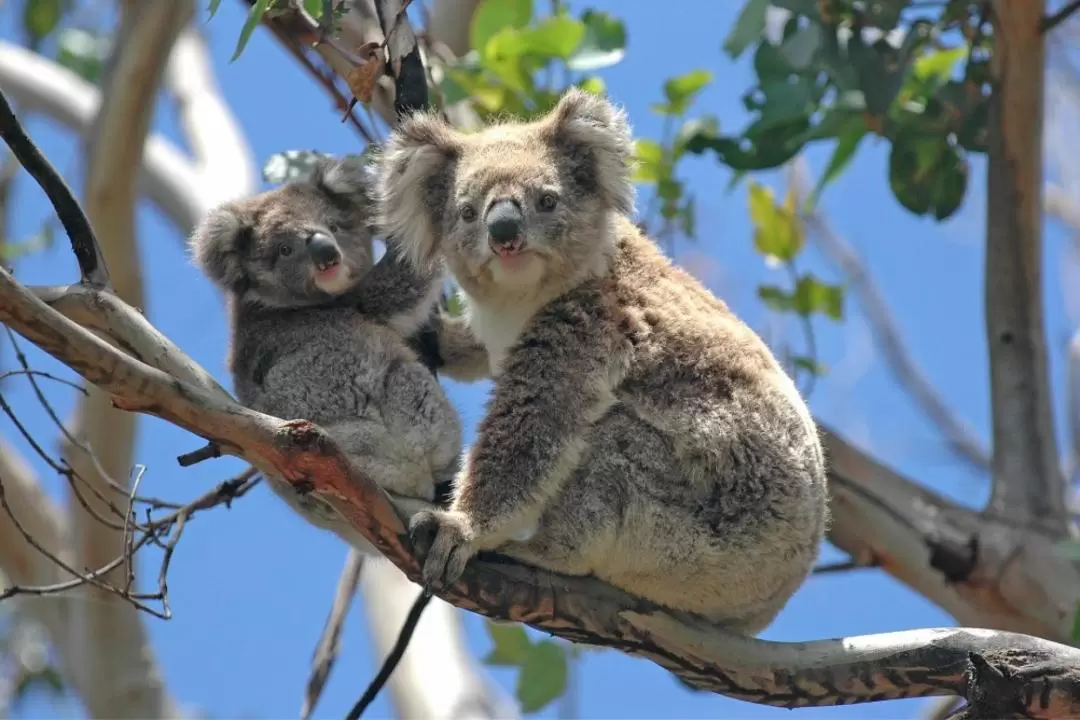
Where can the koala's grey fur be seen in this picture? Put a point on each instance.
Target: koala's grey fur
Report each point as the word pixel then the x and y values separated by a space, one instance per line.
pixel 331 347
pixel 638 431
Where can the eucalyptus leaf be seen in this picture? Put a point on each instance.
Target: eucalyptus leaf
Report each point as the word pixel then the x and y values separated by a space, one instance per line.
pixel 604 43
pixel 542 677
pixel 254 16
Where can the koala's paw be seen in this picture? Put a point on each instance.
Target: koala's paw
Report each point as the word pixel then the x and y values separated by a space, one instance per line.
pixel 444 544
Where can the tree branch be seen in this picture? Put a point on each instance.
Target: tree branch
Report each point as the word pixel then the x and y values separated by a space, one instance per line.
pixel 1028 486
pixel 83 242
pixel 957 434
pixel 326 650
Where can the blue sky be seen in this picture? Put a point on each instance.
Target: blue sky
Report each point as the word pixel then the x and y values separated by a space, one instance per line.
pixel 250 586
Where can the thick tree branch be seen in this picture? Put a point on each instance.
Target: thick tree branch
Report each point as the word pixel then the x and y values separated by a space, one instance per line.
pixel 1028 486
pixel 895 665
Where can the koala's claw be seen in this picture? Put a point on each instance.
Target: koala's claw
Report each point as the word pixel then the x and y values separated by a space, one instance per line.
pixel 442 541
pixel 423 527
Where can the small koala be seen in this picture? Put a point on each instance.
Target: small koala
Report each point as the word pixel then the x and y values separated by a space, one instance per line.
pixel 638 430
pixel 319 332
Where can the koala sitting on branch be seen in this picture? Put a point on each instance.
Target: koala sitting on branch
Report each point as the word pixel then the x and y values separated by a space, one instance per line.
pixel 319 332
pixel 638 430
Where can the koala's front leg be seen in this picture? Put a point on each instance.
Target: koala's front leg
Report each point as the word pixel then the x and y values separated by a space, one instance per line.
pixel 397 294
pixel 557 381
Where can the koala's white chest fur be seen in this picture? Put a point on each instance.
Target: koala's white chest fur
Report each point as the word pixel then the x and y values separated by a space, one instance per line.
pixel 498 327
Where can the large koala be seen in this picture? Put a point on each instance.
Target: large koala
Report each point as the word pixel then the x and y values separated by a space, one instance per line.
pixel 638 430
pixel 319 332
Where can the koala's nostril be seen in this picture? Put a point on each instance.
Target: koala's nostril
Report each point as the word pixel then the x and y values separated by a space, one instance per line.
pixel 323 251
pixel 505 222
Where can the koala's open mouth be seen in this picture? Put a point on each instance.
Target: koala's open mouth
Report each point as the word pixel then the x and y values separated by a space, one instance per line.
pixel 508 248
pixel 328 267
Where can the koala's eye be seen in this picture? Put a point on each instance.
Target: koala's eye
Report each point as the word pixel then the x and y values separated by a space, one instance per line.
pixel 468 212
pixel 548 201
pixel 284 250
pixel 333 226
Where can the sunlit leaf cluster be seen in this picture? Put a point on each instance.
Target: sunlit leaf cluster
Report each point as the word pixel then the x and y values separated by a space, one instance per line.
pixel 912 73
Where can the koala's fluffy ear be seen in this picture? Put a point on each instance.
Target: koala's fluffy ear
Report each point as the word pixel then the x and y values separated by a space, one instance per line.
pixel 415 180
pixel 594 136
pixel 351 178
pixel 218 245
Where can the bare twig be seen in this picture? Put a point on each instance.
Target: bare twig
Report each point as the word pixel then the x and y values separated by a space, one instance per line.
pixel 326 650
pixel 393 658
pixel 957 433
pixel 1049 22
pixel 1028 486
pixel 83 241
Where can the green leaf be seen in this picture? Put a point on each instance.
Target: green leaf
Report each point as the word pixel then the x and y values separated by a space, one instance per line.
pixel 495 15
pixel 42 241
pixel 253 17
pixel 799 49
pixel 556 37
pixel 777 232
pixel 542 677
pixel 706 125
pixel 845 149
pixel 213 7
pixel 290 165
pixel 649 157
pixel 40 18
pixel 784 101
pixel 809 364
pixel 749 27
pixel 927 174
pixel 812 295
pixel 680 91
pixel 314 8
pixel 455 307
pixel 593 84
pixel 511 643
pixel 775 298
pixel 83 52
pixel 938 65
pixel 604 43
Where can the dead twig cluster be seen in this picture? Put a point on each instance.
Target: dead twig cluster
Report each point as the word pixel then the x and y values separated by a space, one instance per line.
pixel 144 521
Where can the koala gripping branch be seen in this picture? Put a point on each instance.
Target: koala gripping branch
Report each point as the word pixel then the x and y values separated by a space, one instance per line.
pixel 1001 674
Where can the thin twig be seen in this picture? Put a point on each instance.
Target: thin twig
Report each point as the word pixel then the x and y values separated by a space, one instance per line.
pixel 326 650
pixel 392 660
pixel 1049 22
pixel 83 241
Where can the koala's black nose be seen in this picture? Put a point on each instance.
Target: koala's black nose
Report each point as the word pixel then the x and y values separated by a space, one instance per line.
pixel 323 251
pixel 505 222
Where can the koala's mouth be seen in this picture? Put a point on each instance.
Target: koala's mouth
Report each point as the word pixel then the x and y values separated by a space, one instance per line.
pixel 508 248
pixel 328 267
